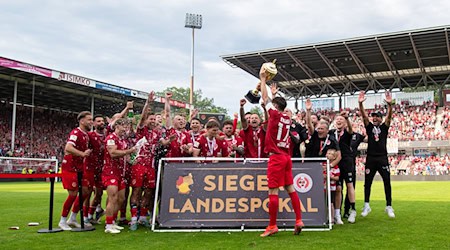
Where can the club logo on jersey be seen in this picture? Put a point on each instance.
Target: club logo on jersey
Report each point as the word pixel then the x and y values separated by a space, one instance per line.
pixel 367 171
pixel 303 183
pixel 183 183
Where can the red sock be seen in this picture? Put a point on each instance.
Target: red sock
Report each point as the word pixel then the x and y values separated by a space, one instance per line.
pixel 92 210
pixel 109 220
pixel 76 205
pixel 85 211
pixel 296 205
pixel 134 211
pixel 143 212
pixel 67 205
pixel 273 209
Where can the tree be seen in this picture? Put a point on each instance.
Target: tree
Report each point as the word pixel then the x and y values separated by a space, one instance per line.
pixel 257 110
pixel 203 104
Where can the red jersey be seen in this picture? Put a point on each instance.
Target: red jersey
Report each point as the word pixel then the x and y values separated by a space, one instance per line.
pixel 183 138
pixel 80 140
pixel 95 160
pixel 211 148
pixel 334 172
pixel 114 166
pixel 254 142
pixel 194 136
pixel 277 136
pixel 148 140
pixel 234 140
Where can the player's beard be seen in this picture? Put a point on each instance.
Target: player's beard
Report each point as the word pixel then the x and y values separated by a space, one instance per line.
pixel 100 127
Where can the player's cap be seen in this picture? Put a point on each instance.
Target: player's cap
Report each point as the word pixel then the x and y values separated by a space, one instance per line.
pixel 376 113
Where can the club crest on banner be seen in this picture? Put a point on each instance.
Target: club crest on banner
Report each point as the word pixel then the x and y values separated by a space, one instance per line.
pixel 183 183
pixel 303 183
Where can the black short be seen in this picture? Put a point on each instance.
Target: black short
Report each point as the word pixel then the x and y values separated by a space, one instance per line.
pixel 347 171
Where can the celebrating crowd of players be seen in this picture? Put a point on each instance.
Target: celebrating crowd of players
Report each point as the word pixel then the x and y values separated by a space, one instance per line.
pixel 117 157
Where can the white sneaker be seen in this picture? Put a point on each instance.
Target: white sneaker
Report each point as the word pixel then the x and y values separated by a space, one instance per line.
pixel 352 216
pixel 73 224
pixel 115 226
pixel 338 220
pixel 366 211
pixel 87 223
pixel 63 225
pixel 390 211
pixel 110 229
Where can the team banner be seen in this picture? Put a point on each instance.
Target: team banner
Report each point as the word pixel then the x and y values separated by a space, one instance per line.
pixel 228 194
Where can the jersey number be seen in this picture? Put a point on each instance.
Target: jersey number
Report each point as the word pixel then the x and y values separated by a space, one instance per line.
pixel 280 130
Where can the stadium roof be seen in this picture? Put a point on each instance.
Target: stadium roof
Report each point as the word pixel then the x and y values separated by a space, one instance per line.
pixel 394 60
pixel 64 91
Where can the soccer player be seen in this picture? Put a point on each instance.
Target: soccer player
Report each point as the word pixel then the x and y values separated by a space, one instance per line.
pixel 143 173
pixel 208 144
pixel 235 143
pixel 279 166
pixel 76 150
pixel 377 159
pixel 93 169
pixel 253 134
pixel 113 173
pixel 182 145
pixel 195 129
pixel 343 134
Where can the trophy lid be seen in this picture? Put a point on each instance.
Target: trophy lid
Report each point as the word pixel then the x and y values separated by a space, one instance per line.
pixel 271 68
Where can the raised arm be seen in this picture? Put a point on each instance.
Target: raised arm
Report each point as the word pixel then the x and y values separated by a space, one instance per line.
pixel 244 123
pixel 266 116
pixel 349 124
pixel 167 110
pixel 364 116
pixel 263 78
pixel 308 106
pixel 146 109
pixel 235 121
pixel 122 113
pixel 389 103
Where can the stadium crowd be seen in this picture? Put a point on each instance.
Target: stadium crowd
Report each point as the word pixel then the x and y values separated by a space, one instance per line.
pixel 47 138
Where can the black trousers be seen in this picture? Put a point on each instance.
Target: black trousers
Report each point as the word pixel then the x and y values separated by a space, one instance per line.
pixel 378 164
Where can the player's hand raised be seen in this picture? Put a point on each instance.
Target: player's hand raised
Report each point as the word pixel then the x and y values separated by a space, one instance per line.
pixel 361 97
pixel 308 104
pixel 242 102
pixel 388 97
pixel 130 104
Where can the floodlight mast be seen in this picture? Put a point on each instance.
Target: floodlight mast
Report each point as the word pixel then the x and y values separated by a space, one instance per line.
pixel 193 21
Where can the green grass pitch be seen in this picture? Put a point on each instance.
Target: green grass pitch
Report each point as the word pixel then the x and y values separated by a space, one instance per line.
pixel 422 222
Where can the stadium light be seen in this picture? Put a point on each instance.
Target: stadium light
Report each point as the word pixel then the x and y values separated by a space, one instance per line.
pixel 193 21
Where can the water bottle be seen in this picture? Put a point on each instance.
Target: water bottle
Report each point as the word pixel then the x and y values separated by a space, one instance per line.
pixel 130 113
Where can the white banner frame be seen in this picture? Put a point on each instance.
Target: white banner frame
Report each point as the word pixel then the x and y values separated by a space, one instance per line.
pixel 244 160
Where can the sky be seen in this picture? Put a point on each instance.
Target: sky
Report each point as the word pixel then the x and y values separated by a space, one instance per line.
pixel 143 44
